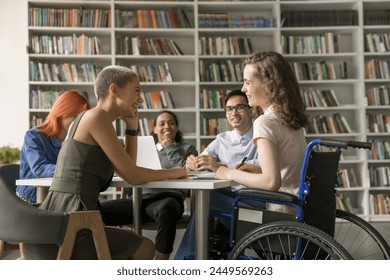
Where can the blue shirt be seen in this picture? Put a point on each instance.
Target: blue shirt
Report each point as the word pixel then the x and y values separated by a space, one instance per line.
pixel 38 159
pixel 229 148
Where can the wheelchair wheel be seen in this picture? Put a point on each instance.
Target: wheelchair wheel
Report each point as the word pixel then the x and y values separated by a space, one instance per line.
pixel 360 238
pixel 287 240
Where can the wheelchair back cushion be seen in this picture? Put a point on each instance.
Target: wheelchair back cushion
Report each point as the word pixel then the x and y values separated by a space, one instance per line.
pixel 320 204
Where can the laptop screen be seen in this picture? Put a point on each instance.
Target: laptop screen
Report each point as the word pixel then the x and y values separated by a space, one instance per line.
pixel 147 155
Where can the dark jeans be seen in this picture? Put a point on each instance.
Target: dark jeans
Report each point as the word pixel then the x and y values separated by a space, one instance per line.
pixel 165 209
pixel 220 202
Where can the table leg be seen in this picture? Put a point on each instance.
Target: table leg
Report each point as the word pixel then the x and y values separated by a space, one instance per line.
pixel 41 194
pixel 137 210
pixel 202 223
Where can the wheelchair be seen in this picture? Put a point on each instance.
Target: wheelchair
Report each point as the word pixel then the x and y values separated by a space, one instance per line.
pixel 316 231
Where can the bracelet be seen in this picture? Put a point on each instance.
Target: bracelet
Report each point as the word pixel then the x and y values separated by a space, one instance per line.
pixel 132 132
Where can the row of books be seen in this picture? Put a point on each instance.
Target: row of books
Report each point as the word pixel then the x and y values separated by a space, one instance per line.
pixel 379 204
pixel 72 17
pixel 225 46
pixel 377 43
pixel 214 99
pixel 344 203
pixel 377 69
pixel 380 150
pixel 319 98
pixel 327 42
pixel 172 18
pixel 154 73
pixel 378 96
pixel 168 0
pixel 376 17
pixel 321 124
pixel 65 45
pixel 220 71
pixel 317 71
pixel 43 99
pixel 145 126
pixel 226 0
pixel 146 46
pixel 347 178
pixel 379 176
pixel 66 72
pixel 377 123
pixel 37 120
pixel 225 20
pixel 319 18
pixel 156 100
pixel 213 126
pixel 325 149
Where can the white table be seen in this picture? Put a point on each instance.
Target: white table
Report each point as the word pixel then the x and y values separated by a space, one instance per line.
pixel 202 197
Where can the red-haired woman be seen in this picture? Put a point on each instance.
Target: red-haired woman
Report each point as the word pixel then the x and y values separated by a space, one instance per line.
pixel 43 143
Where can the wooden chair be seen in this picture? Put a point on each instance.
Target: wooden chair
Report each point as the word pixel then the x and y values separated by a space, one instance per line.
pixel 21 222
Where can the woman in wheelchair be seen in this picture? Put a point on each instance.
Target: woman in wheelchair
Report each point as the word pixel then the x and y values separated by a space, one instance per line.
pixel 270 84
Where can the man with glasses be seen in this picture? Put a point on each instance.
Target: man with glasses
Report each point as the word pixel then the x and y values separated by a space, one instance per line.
pixel 230 148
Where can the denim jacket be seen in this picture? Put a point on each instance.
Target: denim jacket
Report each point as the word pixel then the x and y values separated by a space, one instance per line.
pixel 38 159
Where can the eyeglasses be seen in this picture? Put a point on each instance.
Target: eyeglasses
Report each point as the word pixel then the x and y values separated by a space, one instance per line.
pixel 238 108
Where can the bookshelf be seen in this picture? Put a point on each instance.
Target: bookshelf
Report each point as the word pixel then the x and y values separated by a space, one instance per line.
pixel 376 51
pixel 188 55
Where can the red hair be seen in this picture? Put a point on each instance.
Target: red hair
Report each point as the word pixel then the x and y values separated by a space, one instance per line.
pixel 69 104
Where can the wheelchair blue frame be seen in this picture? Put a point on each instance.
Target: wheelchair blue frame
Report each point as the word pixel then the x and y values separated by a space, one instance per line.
pixel 303 188
pixel 296 201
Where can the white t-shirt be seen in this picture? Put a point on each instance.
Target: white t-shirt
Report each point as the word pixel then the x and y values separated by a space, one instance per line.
pixel 291 145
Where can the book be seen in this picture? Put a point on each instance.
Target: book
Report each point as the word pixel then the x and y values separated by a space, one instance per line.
pixel 155 99
pixel 347 204
pixel 340 203
pixel 382 204
pixel 168 73
pixel 346 126
pixel 353 178
pixel 170 101
pixel 333 98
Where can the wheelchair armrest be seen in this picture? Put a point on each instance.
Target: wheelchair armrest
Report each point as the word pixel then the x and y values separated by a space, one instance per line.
pixel 269 195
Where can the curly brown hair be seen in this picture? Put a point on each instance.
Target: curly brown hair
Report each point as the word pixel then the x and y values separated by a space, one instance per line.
pixel 281 87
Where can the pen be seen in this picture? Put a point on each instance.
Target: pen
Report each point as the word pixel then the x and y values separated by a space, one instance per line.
pixel 242 162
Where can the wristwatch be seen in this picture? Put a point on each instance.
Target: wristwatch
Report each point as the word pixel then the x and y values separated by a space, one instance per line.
pixel 132 132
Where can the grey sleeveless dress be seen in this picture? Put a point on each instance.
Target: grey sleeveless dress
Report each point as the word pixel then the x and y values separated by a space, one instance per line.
pixel 82 172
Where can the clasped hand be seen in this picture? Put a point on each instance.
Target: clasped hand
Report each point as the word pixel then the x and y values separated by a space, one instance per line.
pixel 202 162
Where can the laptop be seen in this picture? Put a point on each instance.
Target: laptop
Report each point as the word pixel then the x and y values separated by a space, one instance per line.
pixel 206 174
pixel 147 155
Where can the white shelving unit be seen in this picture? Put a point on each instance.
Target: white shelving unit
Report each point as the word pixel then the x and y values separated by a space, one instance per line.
pixel 351 91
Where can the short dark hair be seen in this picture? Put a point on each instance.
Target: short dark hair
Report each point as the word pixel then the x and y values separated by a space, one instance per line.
pixel 235 92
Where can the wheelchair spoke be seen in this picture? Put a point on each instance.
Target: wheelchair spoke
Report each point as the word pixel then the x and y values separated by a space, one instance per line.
pixel 287 241
pixel 360 238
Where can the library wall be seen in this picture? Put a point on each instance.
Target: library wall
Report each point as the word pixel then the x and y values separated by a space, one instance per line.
pixel 13 72
pixel 351 91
